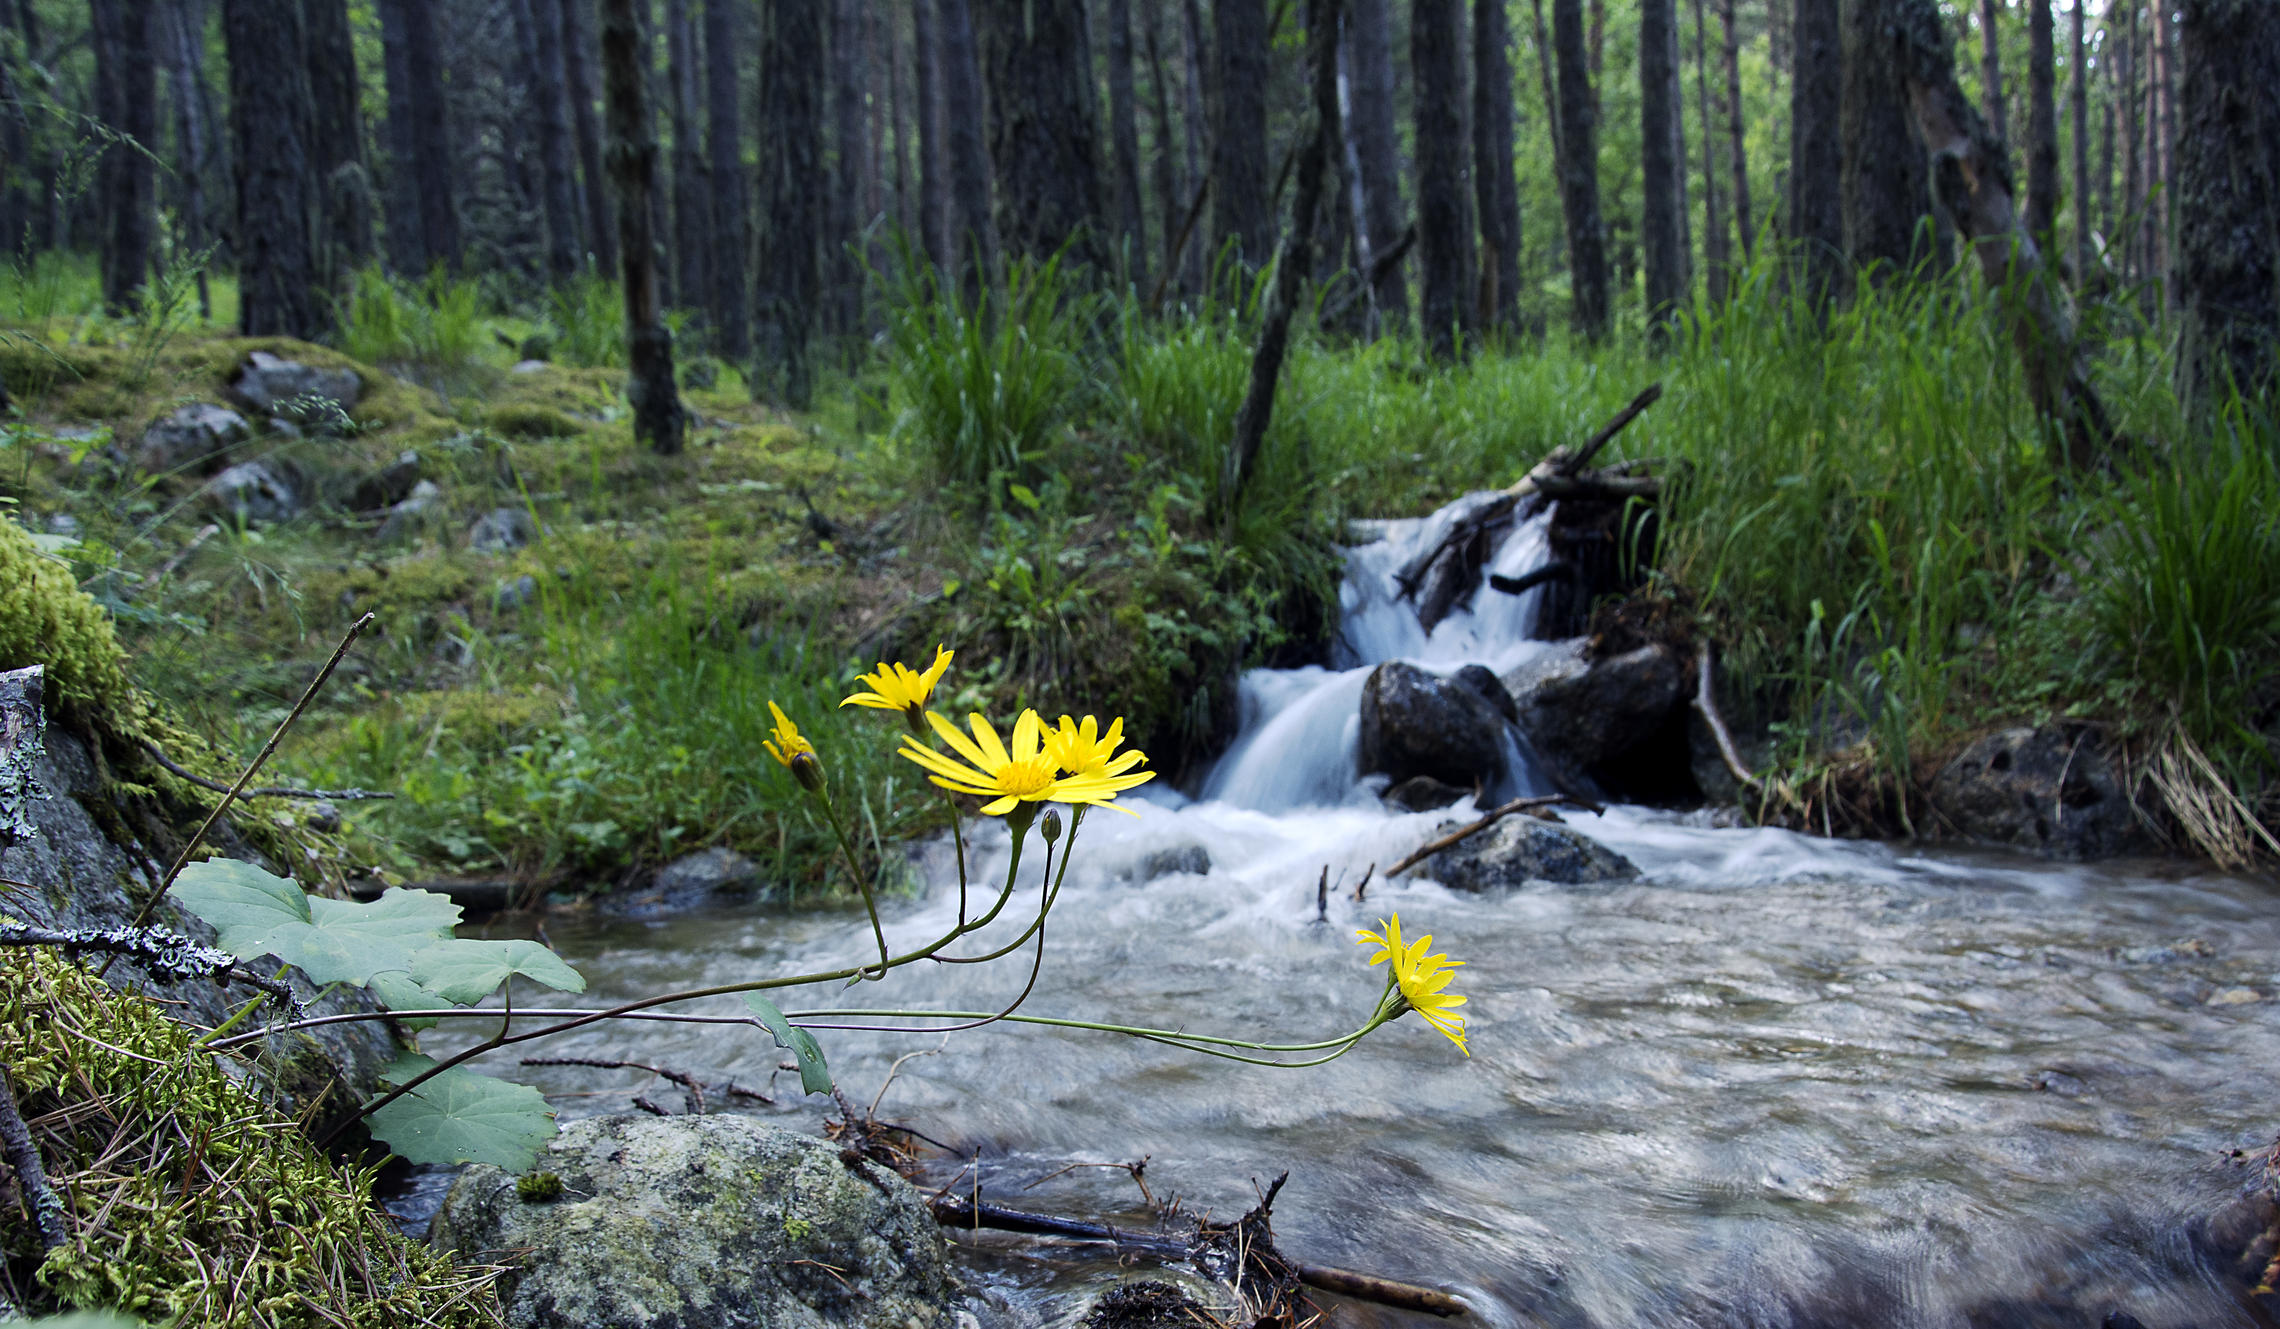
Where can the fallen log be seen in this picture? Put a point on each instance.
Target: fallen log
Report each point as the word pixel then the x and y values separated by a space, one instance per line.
pixel 1601 487
pixel 1528 581
pixel 1495 815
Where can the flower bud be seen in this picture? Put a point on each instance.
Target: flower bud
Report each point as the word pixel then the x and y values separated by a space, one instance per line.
pixel 808 771
pixel 1050 828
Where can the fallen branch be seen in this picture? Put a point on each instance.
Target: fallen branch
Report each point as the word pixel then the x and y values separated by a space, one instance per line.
pixel 1562 462
pixel 1530 580
pixel 23 1155
pixel 1495 815
pixel 1600 488
pixel 166 954
pixel 1707 704
pixel 277 791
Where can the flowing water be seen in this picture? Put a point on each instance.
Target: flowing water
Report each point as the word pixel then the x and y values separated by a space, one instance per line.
pixel 1778 1080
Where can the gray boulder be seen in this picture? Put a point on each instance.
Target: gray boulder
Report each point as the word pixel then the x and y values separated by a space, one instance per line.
pixel 189 437
pixel 1579 715
pixel 1415 723
pixel 1422 793
pixel 2052 791
pixel 689 882
pixel 501 530
pixel 253 492
pixel 698 1222
pixel 1518 850
pixel 388 486
pixel 274 385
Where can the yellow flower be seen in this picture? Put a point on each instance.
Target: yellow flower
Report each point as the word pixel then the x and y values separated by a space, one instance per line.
pixel 1025 774
pixel 1084 750
pixel 898 687
pixel 797 755
pixel 1421 978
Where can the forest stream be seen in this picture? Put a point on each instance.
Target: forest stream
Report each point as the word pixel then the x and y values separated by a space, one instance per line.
pixel 1776 1080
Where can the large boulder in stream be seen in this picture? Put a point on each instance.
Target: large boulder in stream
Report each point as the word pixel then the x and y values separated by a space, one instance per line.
pixel 1589 719
pixel 1519 850
pixel 714 1222
pixel 2052 791
pixel 1417 723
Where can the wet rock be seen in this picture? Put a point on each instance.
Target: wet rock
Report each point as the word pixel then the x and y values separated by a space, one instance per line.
pixel 1483 680
pixel 1587 718
pixel 190 438
pixel 405 517
pixel 708 872
pixel 698 1222
pixel 1191 859
pixel 253 492
pixel 2052 791
pixel 274 385
pixel 388 486
pixel 1518 850
pixel 513 595
pixel 1422 793
pixel 1415 723
pixel 501 530
pixel 321 816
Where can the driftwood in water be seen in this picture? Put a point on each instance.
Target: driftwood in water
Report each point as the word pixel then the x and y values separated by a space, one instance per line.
pixel 1706 702
pixel 1242 1252
pixel 1494 815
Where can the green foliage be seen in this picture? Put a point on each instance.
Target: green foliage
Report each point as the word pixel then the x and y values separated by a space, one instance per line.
pixel 815 1077
pixel 459 1116
pixel 587 315
pixel 46 619
pixel 436 324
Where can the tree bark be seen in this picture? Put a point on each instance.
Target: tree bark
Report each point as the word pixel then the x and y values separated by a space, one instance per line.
pixel 1124 132
pixel 121 33
pixel 1744 227
pixel 1551 85
pixel 657 416
pixel 1884 182
pixel 1444 203
pixel 731 319
pixel 1165 168
pixel 1973 180
pixel 2042 125
pixel 842 274
pixel 184 58
pixel 933 202
pixel 1496 188
pixel 578 47
pixel 2133 136
pixel 1579 185
pixel 2228 206
pixel 970 233
pixel 540 26
pixel 1040 108
pixel 2079 95
pixel 1660 162
pixel 270 118
pixel 791 124
pixel 2163 154
pixel 1377 151
pixel 1197 57
pixel 1242 213
pixel 692 184
pixel 1816 163
pixel 337 137
pixel 1991 90
pixel 423 206
pixel 1717 259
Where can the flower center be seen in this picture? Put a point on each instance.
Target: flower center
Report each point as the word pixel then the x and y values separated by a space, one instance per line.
pixel 1023 778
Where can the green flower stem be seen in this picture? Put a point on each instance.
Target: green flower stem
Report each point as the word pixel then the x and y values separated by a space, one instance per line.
pixel 1044 906
pixel 1203 1043
pixel 957 838
pixel 862 883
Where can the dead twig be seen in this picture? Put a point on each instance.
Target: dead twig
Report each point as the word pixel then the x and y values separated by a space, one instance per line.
pixel 1707 703
pixel 1495 815
pixel 273 791
pixel 48 1214
pixel 165 953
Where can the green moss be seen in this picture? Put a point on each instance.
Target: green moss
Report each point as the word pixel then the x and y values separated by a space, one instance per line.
pixel 188 1201
pixel 46 619
pixel 527 420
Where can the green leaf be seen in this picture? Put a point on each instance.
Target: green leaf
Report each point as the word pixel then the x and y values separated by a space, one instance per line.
pixel 398 991
pixel 462 972
pixel 239 900
pixel 330 941
pixel 406 1068
pixel 461 1116
pixel 815 1077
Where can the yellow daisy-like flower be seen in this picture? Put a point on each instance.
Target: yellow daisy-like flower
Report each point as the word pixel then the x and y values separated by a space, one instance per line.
pixel 1084 750
pixel 1420 978
pixel 1024 774
pixel 785 742
pixel 898 687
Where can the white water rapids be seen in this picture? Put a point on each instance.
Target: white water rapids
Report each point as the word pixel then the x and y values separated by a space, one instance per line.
pixel 1776 1081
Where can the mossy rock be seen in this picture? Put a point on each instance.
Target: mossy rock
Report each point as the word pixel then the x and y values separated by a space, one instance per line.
pixel 46 619
pixel 527 420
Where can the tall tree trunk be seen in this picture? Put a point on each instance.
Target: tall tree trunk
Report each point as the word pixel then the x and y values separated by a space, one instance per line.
pixel 1242 211
pixel 842 274
pixel 2164 153
pixel 337 136
pixel 2128 72
pixel 1197 57
pixel 1660 162
pixel 2079 93
pixel 423 222
pixel 270 117
pixel 1124 132
pixel 1551 86
pixel 1992 92
pixel 1744 226
pixel 1579 186
pixel 1444 205
pixel 731 321
pixel 970 233
pixel 933 203
pixel 123 43
pixel 540 25
pixel 2042 125
pixel 1884 183
pixel 692 182
pixel 657 416
pixel 2228 205
pixel 2109 125
pixel 1165 168
pixel 791 124
pixel 1377 151
pixel 578 47
pixel 1716 241
pixel 1040 105
pixel 1816 163
pixel 186 73
pixel 1494 184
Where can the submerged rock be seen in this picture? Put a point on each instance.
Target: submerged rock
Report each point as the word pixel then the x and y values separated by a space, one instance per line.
pixel 689 882
pixel 1417 723
pixel 1518 850
pixel 2053 791
pixel 1423 793
pixel 696 1222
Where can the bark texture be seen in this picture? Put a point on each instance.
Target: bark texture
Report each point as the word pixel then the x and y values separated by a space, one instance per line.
pixel 791 122
pixel 1496 190
pixel 1124 134
pixel 1579 180
pixel 1377 151
pixel 2042 124
pixel 850 170
pixel 1660 161
pixel 1816 158
pixel 1444 195
pixel 970 234
pixel 731 320
pixel 269 122
pixel 1041 134
pixel 1745 225
pixel 1716 239
pixel 540 23
pixel 122 33
pixel 692 178
pixel 578 50
pixel 1242 210
pixel 1884 180
pixel 657 417
pixel 423 221
pixel 2228 182
pixel 933 189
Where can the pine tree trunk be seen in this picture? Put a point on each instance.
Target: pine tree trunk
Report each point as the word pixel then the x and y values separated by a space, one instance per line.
pixel 1377 150
pixel 269 119
pixel 934 240
pixel 1717 254
pixel 1040 104
pixel 657 416
pixel 970 234
pixel 1579 186
pixel 731 321
pixel 539 26
pixel 1197 56
pixel 2127 73
pixel 1124 132
pixel 1165 168
pixel 1992 93
pixel 1444 203
pixel 2164 153
pixel 791 124
pixel 2228 206
pixel 185 60
pixel 423 223
pixel 1884 181
pixel 1660 162
pixel 1241 210
pixel 122 37
pixel 1744 226
pixel 2079 94
pixel 692 177
pixel 578 48
pixel 1816 163
pixel 337 137
pixel 1551 86
pixel 842 274
pixel 2042 125
pixel 1495 187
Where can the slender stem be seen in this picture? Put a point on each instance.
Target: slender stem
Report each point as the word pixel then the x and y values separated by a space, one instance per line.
pixel 862 883
pixel 1045 906
pixel 958 838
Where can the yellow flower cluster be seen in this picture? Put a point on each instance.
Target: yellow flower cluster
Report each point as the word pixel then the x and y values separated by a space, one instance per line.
pixel 1420 978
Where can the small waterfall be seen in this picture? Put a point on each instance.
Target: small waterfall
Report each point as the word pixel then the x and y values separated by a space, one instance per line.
pixel 1300 729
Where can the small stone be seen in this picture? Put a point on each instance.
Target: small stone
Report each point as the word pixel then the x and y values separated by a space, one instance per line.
pixel 424 498
pixel 513 595
pixel 501 530
pixel 527 366
pixel 2235 997
pixel 64 524
pixel 1423 793
pixel 1518 850
pixel 322 817
pixel 274 385
pixel 252 492
pixel 388 486
pixel 190 437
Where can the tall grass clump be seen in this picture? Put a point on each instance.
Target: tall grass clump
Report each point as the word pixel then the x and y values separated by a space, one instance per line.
pixel 436 324
pixel 587 316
